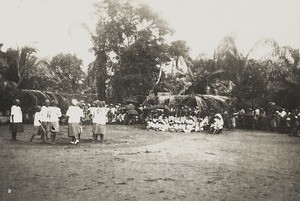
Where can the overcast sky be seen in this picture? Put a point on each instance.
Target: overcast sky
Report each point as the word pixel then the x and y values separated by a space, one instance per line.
pixel 55 26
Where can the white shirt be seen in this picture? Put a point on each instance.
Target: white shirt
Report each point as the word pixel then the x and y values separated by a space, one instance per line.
pixel 283 113
pixel 55 114
pixel 218 123
pixel 99 115
pixel 37 117
pixel 46 112
pixel 16 112
pixel 74 113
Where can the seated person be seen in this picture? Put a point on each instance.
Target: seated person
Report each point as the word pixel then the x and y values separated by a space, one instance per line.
pixel 217 126
pixel 171 126
pixel 190 125
pixel 204 123
pixel 162 123
pixel 150 124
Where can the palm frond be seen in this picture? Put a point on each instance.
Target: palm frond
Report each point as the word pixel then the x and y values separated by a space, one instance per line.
pixel 200 102
pixel 203 100
pixel 32 97
pixel 221 99
pixel 51 95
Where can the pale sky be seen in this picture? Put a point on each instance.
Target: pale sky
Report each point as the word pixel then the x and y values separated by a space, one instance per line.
pixel 55 26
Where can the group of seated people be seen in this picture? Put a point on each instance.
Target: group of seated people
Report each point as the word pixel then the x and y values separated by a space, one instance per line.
pixel 186 123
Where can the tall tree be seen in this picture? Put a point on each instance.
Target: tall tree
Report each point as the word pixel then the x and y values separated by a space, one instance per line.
pixel 132 37
pixel 228 58
pixel 280 67
pixel 205 74
pixel 177 75
pixel 252 88
pixel 9 76
pixel 67 68
pixel 21 69
pixel 25 69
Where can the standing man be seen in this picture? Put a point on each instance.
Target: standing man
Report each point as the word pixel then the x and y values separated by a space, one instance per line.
pixel 38 129
pixel 46 112
pixel 16 120
pixel 99 121
pixel 55 114
pixel 74 113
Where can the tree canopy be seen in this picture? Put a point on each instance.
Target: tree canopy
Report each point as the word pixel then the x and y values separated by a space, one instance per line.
pixel 133 38
pixel 130 48
pixel 68 71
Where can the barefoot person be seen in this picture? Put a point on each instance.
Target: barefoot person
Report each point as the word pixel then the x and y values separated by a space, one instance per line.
pixel 55 115
pixel 99 116
pixel 74 113
pixel 16 120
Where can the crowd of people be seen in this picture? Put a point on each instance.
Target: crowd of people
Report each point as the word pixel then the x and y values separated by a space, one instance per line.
pixel 274 120
pixel 192 120
pixel 47 119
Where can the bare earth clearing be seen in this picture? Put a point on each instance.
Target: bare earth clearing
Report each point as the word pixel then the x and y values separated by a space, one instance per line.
pixel 135 164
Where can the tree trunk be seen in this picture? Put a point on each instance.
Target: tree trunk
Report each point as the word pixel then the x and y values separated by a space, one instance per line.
pixel 101 59
pixel 101 86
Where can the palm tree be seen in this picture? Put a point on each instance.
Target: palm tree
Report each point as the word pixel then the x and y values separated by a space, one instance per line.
pixel 19 68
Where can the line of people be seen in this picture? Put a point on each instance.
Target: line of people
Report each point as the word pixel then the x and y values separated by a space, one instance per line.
pixel 117 114
pixel 274 120
pixel 46 121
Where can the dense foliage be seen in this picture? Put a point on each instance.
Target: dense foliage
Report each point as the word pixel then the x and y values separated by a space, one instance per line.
pixel 130 49
pixel 132 37
pixel 68 72
pixel 23 75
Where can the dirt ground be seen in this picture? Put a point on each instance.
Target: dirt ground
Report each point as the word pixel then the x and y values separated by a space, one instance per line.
pixel 135 164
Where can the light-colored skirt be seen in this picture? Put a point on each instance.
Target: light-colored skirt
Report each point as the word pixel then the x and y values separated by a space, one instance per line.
pixel 73 129
pixel 99 128
pixel 55 127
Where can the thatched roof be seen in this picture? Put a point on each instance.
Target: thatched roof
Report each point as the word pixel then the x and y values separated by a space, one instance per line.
pixel 197 100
